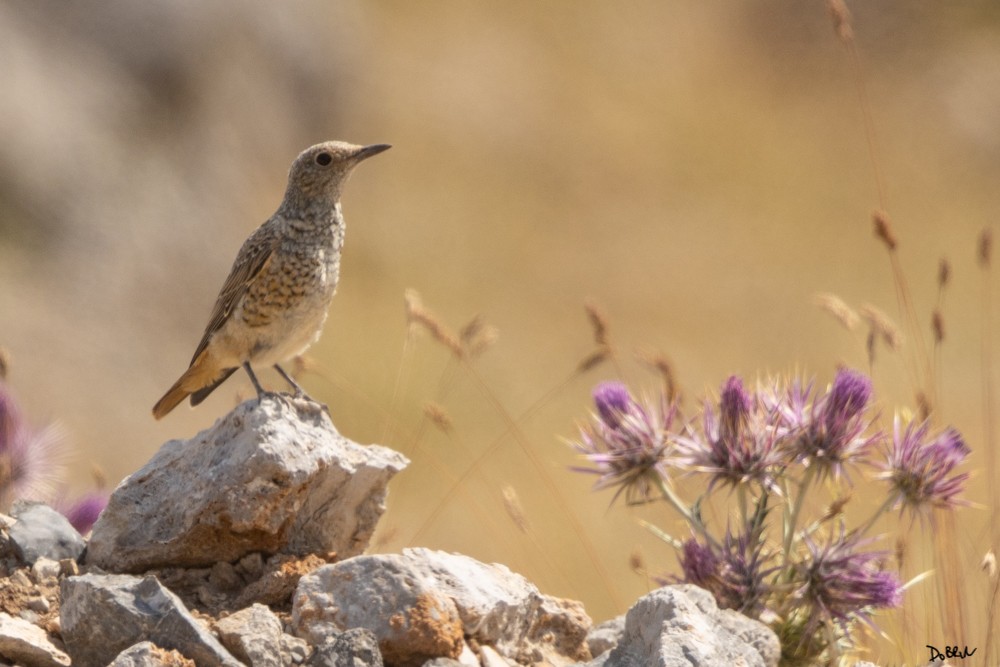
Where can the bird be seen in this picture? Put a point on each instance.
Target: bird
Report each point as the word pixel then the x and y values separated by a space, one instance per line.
pixel 274 303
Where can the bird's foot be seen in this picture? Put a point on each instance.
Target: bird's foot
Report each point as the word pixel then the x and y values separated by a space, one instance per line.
pixel 270 395
pixel 307 403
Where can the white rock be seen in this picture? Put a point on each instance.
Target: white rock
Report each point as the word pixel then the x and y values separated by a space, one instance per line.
pixel 490 658
pixel 294 650
pixel 28 644
pixel 506 611
pixel 253 636
pixel 274 477
pixel 604 636
pixel 681 625
pixel 421 595
pixel 46 570
pixel 412 621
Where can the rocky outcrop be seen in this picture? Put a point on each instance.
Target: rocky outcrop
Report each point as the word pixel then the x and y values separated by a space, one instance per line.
pixel 682 625
pixel 241 546
pixel 274 477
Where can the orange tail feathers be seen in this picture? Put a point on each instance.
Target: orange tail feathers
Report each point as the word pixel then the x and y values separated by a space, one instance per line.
pixel 171 399
pixel 201 373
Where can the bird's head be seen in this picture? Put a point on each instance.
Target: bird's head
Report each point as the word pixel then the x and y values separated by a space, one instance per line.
pixel 321 170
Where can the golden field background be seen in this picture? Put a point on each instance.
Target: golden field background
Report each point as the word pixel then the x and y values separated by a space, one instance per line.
pixel 699 170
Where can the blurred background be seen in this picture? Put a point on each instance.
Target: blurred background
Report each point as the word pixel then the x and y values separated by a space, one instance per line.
pixel 700 171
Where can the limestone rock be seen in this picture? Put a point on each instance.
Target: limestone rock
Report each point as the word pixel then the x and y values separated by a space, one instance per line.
pixel 490 658
pixel 354 648
pixel 103 614
pixel 148 654
pixel 294 650
pixel 681 626
pixel 504 610
pixel 387 595
pixel 27 644
pixel 605 636
pixel 274 477
pixel 42 532
pixel 421 602
pixel 253 636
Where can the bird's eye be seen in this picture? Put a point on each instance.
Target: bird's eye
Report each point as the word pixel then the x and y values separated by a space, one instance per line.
pixel 324 159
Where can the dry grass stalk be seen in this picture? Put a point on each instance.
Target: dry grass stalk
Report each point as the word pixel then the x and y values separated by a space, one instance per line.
pixel 302 364
pixel 882 325
pixel 659 363
pixel 900 553
pixel 418 316
pixel 4 362
pixel 100 477
pixel 883 229
pixel 512 504
pixel 944 273
pixel 598 322
pixel 937 325
pixel 438 416
pixel 842 20
pixel 477 336
pixel 924 407
pixel 593 359
pixel 637 562
pixel 839 309
pixel 985 248
pixel 836 508
pixel 472 329
pixel 870 341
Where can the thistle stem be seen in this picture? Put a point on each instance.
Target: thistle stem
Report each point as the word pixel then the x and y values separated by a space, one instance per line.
pixel 671 497
pixel 879 512
pixel 793 518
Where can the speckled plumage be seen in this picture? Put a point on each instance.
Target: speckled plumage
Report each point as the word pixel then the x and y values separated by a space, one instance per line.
pixel 273 304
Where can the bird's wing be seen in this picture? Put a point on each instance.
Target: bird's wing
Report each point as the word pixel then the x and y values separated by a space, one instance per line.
pixel 253 257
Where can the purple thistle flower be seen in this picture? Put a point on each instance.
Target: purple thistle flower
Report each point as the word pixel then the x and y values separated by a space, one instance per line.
pixel 832 431
pixel 627 444
pixel 738 444
pixel 848 397
pixel 734 409
pixel 84 512
pixel 842 583
pixel 700 564
pixel 735 575
pixel 29 459
pixel 920 466
pixel 613 400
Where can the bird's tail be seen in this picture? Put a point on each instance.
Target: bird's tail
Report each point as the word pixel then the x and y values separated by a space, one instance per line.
pixel 203 372
pixel 171 399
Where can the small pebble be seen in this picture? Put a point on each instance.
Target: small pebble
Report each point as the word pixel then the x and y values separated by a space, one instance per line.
pixel 224 577
pixel 39 604
pixel 69 567
pixel 45 569
pixel 251 565
pixel 21 579
pixel 294 648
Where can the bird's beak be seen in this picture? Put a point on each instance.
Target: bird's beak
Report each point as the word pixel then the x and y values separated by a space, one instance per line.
pixel 367 151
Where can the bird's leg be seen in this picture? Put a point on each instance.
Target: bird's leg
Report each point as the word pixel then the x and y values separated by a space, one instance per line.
pixel 256 383
pixel 299 391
